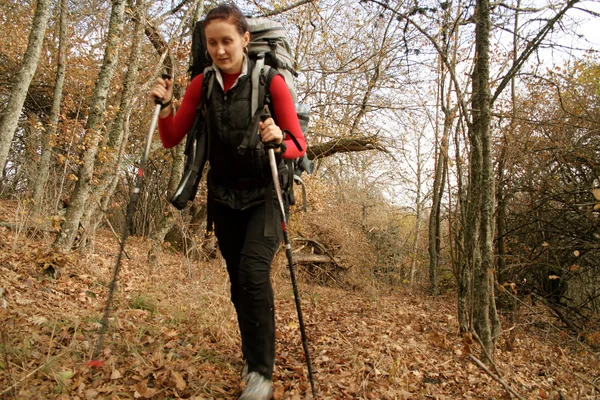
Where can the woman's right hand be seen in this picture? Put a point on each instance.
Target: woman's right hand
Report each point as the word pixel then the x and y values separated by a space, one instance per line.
pixel 163 90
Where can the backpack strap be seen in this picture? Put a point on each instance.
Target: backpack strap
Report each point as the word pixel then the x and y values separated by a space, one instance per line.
pixel 258 91
pixel 196 151
pixel 208 81
pixel 257 103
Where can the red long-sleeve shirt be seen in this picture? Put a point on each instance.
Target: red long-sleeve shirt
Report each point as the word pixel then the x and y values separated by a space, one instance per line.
pixel 174 128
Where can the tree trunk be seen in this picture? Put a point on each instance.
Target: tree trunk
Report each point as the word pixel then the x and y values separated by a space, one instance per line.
pixel 118 134
pixel 441 169
pixel 46 153
pixel 80 196
pixel 483 260
pixel 419 209
pixel 434 218
pixel 10 118
pixel 168 221
pixel 461 259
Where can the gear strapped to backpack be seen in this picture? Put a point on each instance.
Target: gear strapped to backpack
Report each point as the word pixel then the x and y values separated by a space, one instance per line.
pixel 269 48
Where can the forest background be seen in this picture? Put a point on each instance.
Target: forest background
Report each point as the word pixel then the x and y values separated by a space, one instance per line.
pixel 457 155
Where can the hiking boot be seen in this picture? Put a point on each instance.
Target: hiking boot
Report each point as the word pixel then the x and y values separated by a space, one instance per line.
pixel 257 387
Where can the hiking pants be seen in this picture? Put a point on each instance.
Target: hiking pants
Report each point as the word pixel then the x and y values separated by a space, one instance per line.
pixel 249 254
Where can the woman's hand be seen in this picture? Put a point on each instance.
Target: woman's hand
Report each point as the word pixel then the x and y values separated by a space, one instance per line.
pixel 163 89
pixel 269 132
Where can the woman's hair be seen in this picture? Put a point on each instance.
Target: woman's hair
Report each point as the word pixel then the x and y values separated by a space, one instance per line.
pixel 228 11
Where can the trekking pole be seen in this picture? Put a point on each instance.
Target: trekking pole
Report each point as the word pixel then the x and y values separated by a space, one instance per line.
pixel 288 253
pixel 95 362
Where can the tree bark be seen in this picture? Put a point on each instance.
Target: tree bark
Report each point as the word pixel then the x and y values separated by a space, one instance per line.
pixel 483 181
pixel 81 192
pixel 344 145
pixel 46 152
pixel 441 166
pixel 461 260
pixel 303 258
pixel 419 212
pixel 118 134
pixel 10 118
pixel 435 216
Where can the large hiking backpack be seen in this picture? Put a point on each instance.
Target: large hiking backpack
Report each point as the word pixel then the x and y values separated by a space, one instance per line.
pixel 269 48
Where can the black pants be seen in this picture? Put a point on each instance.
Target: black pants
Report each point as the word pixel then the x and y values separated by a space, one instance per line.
pixel 249 254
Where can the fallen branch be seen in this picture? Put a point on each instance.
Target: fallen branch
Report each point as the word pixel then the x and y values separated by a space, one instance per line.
pixel 319 258
pixel 305 258
pixel 495 377
pixel 344 145
pixel 485 352
pixel 586 380
pixel 558 313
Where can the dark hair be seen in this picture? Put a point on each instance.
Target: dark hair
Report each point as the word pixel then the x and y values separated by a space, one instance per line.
pixel 228 11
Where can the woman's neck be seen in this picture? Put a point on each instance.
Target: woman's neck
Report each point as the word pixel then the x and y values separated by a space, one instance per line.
pixel 229 79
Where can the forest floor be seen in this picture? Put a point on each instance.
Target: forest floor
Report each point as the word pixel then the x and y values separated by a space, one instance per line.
pixel 173 334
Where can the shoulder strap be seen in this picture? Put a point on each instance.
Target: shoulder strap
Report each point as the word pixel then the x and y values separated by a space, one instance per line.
pixel 257 100
pixel 208 80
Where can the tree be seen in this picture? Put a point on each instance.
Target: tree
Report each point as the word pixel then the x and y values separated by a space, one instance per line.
pixel 481 185
pixel 12 112
pixel 52 127
pixel 110 158
pixel 81 192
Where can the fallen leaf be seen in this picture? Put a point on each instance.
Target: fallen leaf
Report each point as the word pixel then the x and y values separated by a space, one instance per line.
pixel 37 320
pixel 179 381
pixel 116 374
pixel 65 374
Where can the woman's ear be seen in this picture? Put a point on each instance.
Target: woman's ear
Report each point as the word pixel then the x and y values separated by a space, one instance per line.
pixel 246 38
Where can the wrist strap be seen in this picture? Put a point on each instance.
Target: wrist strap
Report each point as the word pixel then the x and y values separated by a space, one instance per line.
pixel 167 104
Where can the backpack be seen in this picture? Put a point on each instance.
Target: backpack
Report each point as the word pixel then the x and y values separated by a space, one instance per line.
pixel 269 48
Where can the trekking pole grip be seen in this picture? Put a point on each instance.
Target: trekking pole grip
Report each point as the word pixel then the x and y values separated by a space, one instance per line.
pixel 159 100
pixel 263 117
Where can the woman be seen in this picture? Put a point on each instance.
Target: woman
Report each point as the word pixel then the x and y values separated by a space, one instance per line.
pixel 240 188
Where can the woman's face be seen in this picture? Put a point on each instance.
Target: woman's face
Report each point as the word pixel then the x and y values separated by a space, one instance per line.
pixel 226 45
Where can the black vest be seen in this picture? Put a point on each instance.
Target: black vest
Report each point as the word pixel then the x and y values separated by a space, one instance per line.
pixel 237 178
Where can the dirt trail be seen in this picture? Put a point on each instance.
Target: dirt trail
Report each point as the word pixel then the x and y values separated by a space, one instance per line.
pixel 173 334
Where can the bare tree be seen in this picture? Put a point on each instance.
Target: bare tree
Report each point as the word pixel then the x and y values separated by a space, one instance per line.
pixel 81 192
pixel 481 185
pixel 12 112
pixel 109 170
pixel 46 151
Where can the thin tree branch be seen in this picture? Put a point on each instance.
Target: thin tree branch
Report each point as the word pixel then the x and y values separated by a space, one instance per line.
pixel 178 7
pixel 440 51
pixel 495 377
pixel 513 8
pixel 531 47
pixel 281 10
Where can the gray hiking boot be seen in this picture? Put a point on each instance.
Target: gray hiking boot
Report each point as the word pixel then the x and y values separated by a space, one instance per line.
pixel 257 387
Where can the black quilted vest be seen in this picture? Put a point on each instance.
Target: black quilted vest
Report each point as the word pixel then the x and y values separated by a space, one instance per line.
pixel 237 178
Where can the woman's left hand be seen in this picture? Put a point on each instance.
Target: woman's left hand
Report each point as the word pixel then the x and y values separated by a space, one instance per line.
pixel 269 132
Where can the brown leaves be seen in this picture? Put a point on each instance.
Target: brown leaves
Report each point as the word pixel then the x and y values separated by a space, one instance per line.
pixel 362 345
pixel 180 383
